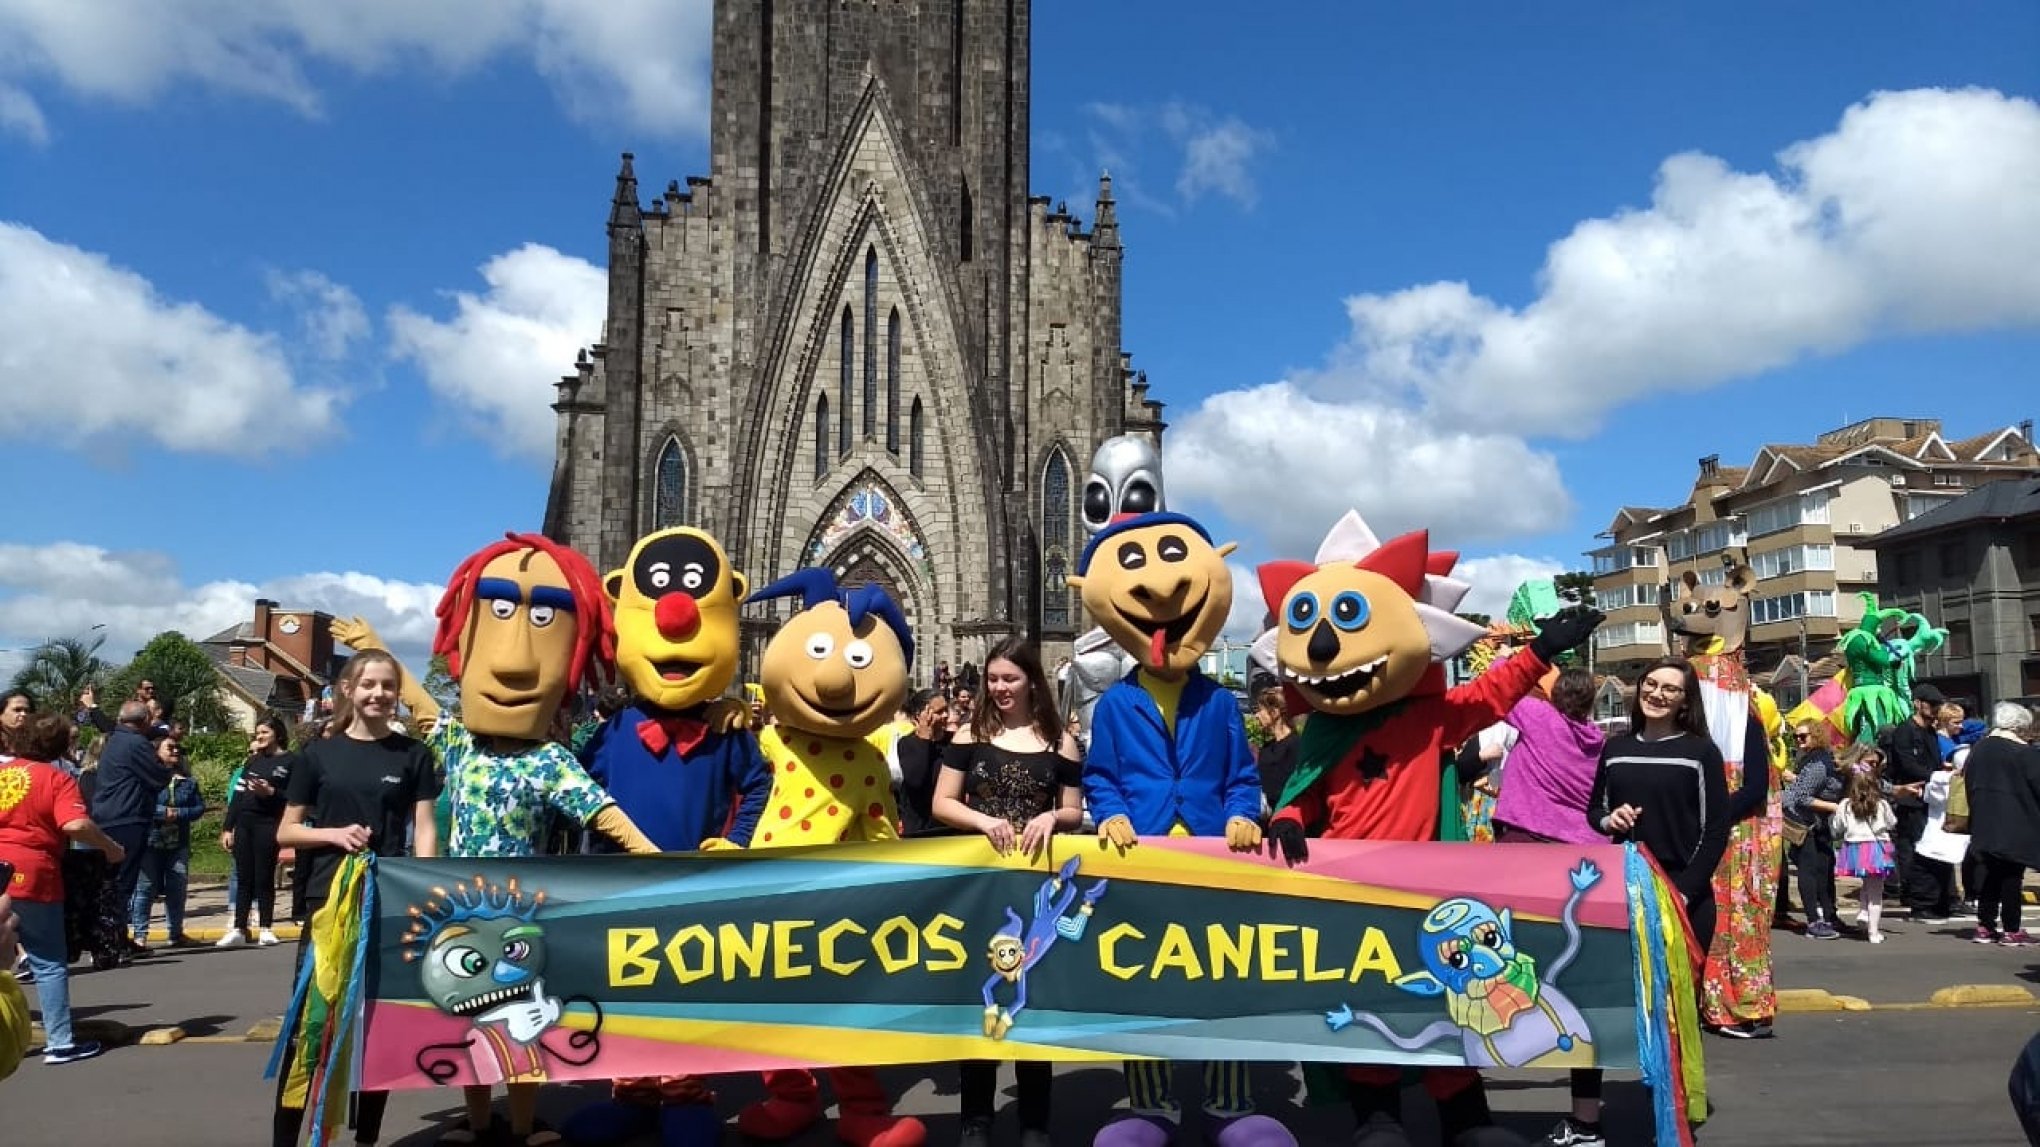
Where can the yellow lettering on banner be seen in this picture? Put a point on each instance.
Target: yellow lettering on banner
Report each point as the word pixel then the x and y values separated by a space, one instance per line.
pixel 697 934
pixel 628 967
pixel 827 946
pixel 1375 956
pixel 1108 951
pixel 785 948
pixel 936 937
pixel 1177 952
pixel 1229 952
pixel 750 951
pixel 910 940
pixel 1311 971
pixel 1272 950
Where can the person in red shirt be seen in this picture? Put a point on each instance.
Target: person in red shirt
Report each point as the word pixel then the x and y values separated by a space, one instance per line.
pixel 40 810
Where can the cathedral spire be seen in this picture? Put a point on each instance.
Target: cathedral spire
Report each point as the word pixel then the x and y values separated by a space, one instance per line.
pixel 1105 233
pixel 624 210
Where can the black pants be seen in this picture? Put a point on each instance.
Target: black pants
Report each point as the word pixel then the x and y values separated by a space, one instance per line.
pixel 254 870
pixel 981 1088
pixel 287 1126
pixel 1912 821
pixel 1998 899
pixel 1972 875
pixel 301 888
pixel 1814 857
pixel 133 840
pixel 1783 907
pixel 1931 888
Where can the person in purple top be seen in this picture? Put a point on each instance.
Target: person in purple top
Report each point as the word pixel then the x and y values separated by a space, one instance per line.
pixel 1552 766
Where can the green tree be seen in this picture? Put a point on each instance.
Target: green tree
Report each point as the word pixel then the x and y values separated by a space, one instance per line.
pixel 440 683
pixel 59 669
pixel 184 678
pixel 1576 587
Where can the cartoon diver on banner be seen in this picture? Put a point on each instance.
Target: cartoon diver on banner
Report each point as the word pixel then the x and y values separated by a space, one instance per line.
pixel 1502 1012
pixel 480 953
pixel 1018 947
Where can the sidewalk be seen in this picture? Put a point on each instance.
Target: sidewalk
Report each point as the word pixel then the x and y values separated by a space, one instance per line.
pixel 208 916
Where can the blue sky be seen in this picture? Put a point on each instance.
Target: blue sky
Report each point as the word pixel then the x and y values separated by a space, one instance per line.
pixel 237 358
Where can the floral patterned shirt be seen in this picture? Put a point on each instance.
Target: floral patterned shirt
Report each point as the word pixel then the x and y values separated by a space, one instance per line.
pixel 502 804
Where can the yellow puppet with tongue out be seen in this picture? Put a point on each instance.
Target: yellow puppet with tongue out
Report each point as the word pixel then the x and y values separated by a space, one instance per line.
pixel 1169 756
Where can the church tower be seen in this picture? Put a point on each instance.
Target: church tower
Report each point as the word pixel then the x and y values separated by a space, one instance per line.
pixel 859 342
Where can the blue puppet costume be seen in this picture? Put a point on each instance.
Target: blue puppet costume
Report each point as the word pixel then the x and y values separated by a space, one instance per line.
pixel 1169 756
pixel 677 762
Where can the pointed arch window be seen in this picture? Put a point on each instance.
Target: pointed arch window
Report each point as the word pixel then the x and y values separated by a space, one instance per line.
pixel 966 214
pixel 843 384
pixel 870 421
pixel 821 437
pixel 892 381
pixel 669 492
pixel 914 461
pixel 1055 541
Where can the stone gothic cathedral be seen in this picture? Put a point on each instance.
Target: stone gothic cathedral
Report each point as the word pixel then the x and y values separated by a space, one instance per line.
pixel 859 342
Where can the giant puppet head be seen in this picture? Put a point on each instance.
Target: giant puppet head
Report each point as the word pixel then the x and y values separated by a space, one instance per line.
pixel 1157 585
pixel 676 618
pixel 1368 623
pixel 1711 619
pixel 838 668
pixel 1126 478
pixel 522 622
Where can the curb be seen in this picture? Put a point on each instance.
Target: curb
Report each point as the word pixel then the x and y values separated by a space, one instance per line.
pixel 1799 1001
pixel 287 933
pixel 1982 996
pixel 1806 1001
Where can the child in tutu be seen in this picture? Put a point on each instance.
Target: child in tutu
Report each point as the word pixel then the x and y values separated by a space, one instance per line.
pixel 1862 833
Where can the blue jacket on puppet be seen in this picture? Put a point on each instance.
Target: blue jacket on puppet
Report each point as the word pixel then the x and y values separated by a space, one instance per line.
pixel 1203 776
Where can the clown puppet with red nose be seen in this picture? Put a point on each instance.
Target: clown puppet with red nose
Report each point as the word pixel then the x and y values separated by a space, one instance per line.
pixel 1169 757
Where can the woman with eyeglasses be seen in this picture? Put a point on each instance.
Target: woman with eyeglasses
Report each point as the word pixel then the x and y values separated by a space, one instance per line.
pixel 1809 801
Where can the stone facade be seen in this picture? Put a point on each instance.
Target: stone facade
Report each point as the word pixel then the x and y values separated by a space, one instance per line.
pixel 859 342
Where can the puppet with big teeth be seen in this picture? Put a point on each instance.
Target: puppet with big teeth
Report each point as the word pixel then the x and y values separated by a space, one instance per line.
pixel 1169 756
pixel 836 671
pixel 1360 639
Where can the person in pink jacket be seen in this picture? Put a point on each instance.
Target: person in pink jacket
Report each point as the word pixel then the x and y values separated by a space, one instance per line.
pixel 1551 767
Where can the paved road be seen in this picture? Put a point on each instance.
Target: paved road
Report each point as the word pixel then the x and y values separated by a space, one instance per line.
pixel 1884 1077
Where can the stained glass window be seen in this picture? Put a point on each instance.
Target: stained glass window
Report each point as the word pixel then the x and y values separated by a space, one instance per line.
pixel 669 497
pixel 914 440
pixel 892 381
pixel 843 386
pixel 1055 542
pixel 821 437
pixel 870 420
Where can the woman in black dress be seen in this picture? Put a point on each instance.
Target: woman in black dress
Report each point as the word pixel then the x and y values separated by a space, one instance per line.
pixel 1014 775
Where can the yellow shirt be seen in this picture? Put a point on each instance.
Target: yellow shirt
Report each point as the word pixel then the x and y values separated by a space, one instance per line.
pixel 1166 695
pixel 824 790
pixel 14 1032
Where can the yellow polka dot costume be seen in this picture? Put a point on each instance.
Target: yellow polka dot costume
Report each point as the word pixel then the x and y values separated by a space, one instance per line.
pixel 824 790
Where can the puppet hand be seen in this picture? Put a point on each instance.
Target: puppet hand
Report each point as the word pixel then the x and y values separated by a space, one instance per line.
pixel 1118 832
pixel 356 634
pixel 1288 838
pixel 727 716
pixel 719 844
pixel 422 724
pixel 1564 630
pixel 1242 835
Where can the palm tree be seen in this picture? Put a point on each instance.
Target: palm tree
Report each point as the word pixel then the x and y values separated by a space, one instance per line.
pixel 59 669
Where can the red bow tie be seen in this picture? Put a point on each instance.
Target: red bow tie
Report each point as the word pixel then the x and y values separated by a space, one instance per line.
pixel 681 734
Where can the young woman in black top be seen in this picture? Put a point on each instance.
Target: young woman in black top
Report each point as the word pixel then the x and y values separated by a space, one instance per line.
pixel 254 811
pixel 919 753
pixel 1662 785
pixel 1014 775
pixel 365 787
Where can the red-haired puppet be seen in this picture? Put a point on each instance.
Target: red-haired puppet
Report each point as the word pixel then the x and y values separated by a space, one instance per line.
pixel 522 623
pixel 1360 639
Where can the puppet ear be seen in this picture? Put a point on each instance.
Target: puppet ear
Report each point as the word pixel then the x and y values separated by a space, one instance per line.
pixel 1421 984
pixel 1504 917
pixel 1227 548
pixel 1074 581
pixel 1690 580
pixel 1742 578
pixel 740 585
pixel 613 584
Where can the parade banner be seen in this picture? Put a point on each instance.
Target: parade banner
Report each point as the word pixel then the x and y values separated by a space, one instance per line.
pixel 575 968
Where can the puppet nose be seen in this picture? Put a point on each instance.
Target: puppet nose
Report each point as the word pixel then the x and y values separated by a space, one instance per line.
pixel 677 616
pixel 1324 644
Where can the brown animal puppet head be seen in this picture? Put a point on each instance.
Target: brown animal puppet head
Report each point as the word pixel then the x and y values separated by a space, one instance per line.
pixel 1711 619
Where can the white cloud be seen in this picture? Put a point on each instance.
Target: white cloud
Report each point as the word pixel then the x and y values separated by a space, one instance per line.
pixel 499 355
pixel 1249 609
pixel 20 115
pixel 67 588
pixel 89 350
pixel 1495 577
pixel 1918 214
pixel 644 59
pixel 330 316
pixel 1286 465
pixel 1211 154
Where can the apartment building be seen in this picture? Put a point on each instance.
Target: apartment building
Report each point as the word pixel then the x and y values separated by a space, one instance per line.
pixel 1799 515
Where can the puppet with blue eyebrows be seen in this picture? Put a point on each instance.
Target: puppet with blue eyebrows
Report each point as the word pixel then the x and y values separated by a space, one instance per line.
pixel 834 672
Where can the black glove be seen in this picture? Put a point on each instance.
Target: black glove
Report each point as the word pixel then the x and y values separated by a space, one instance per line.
pixel 1288 838
pixel 1566 629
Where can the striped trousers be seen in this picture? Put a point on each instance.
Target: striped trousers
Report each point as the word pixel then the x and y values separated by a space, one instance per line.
pixel 1228 1093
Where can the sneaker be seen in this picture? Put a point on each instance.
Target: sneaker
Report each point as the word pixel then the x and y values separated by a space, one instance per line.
pixel 976 1133
pixel 56 1056
pixel 1966 908
pixel 1748 1029
pixel 233 939
pixel 2018 939
pixel 267 939
pixel 1929 916
pixel 1822 930
pixel 1983 935
pixel 1571 1132
pixel 1877 937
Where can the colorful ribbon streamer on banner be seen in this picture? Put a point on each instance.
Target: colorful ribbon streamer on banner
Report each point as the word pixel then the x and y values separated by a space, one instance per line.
pixel 1667 1026
pixel 321 1033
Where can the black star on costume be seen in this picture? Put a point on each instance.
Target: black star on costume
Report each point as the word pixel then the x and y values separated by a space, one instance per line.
pixel 1372 764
